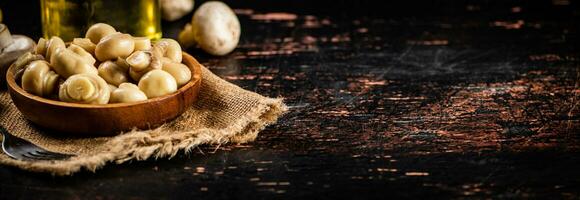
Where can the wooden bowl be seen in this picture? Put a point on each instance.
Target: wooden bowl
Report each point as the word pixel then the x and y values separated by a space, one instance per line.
pixel 109 119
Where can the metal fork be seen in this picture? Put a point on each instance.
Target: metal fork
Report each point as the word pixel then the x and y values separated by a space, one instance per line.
pixel 21 149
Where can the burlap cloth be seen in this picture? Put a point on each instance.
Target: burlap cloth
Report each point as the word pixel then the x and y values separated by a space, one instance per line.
pixel 224 113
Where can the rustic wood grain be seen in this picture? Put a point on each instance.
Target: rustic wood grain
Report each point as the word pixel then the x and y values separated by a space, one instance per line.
pixel 414 99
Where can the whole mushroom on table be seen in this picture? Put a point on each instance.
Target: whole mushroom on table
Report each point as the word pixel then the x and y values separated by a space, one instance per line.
pixel 172 10
pixel 214 27
pixel 11 47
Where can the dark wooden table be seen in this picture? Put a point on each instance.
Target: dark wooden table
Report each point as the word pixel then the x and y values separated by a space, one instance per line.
pixel 424 99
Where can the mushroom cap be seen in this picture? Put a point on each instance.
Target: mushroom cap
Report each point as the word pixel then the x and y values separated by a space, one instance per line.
pixel 170 49
pixel 53 45
pixel 216 28
pixel 112 73
pixel 85 43
pixel 38 79
pixel 67 63
pixel 87 57
pixel 157 83
pixel 179 71
pixel 127 92
pixel 98 31
pixel 85 88
pixel 142 43
pixel 114 46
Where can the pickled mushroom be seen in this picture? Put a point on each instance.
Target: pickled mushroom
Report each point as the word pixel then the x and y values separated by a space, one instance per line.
pixel 113 73
pixel 39 80
pixel 113 46
pixel 85 88
pixel 179 71
pixel 127 92
pixel 157 83
pixel 98 31
pixel 67 63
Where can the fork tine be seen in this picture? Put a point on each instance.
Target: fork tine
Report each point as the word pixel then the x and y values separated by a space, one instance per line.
pixel 21 149
pixel 39 155
pixel 33 153
pixel 48 155
pixel 26 156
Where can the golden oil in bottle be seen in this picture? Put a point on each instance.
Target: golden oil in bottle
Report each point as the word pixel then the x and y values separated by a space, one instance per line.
pixel 71 18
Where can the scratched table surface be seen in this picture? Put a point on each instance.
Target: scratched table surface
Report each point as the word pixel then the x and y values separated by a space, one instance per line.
pixel 425 99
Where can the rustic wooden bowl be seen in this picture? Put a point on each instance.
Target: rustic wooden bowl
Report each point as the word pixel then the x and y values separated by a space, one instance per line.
pixel 110 119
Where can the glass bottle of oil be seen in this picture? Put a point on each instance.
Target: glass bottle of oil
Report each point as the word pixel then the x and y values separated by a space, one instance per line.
pixel 71 18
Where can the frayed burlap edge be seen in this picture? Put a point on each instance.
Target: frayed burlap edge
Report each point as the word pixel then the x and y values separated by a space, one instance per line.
pixel 162 142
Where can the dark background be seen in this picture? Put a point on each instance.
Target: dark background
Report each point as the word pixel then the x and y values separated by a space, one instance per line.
pixel 27 18
pixel 388 99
